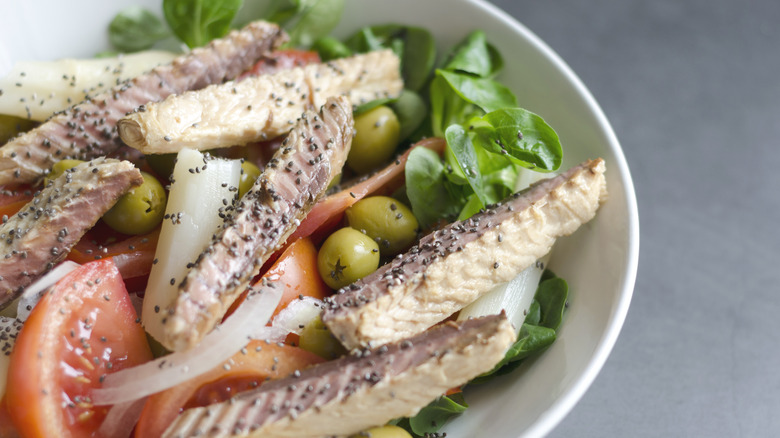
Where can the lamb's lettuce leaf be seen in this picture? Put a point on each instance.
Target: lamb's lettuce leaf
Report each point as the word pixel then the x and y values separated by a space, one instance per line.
pixel 136 28
pixel 196 22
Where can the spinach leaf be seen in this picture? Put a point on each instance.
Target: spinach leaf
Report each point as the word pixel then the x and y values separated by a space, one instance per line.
pixel 521 135
pixel 315 19
pixel 414 45
pixel 432 417
pixel 475 56
pixel 200 21
pixel 136 28
pixel 460 148
pixel 552 296
pixel 429 198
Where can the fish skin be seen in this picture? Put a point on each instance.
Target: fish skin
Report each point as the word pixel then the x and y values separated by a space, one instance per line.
pixel 42 233
pixel 355 392
pixel 452 267
pixel 258 108
pixel 293 181
pixel 88 129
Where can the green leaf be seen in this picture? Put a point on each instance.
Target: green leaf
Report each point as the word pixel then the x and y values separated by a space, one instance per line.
pixel 331 48
pixel 540 326
pixel 552 296
pixel 414 45
pixel 196 22
pixel 428 195
pixel 534 313
pixel 411 112
pixel 474 56
pixel 432 417
pixel 487 94
pixel 418 58
pixel 472 207
pixel 459 97
pixel 521 135
pixel 460 148
pixel 314 20
pixel 364 40
pixel 368 106
pixel 136 28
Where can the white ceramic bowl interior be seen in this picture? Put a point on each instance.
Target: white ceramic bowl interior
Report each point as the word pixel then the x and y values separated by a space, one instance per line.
pixel 599 261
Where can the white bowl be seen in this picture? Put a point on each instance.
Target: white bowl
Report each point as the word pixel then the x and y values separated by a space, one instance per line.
pixel 599 261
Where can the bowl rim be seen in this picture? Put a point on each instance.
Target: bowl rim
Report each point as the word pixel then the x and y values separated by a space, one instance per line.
pixel 563 406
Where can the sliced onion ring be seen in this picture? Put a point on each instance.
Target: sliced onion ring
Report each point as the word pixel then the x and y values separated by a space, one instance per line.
pixel 121 419
pixel 33 293
pixel 297 314
pixel 168 371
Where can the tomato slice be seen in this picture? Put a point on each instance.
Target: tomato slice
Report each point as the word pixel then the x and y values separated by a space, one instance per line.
pixel 133 255
pixel 244 371
pixel 83 329
pixel 326 215
pixel 297 270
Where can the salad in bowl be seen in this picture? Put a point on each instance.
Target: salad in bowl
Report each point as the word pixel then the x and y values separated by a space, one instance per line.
pixel 291 221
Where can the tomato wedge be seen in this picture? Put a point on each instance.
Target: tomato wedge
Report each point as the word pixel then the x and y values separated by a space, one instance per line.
pixel 83 329
pixel 327 214
pixel 244 371
pixel 297 270
pixel 133 255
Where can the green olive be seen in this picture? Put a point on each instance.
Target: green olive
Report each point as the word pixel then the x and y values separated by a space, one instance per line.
pixel 11 126
pixel 140 210
pixel 316 338
pixel 377 134
pixel 249 173
pixel 387 221
pixel 388 431
pixel 59 168
pixel 346 256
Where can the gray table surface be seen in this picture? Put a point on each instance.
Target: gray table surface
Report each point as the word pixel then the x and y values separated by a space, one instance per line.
pixel 692 88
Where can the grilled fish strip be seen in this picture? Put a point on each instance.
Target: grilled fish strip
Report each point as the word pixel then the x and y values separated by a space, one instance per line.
pixel 355 392
pixel 293 181
pixel 452 267
pixel 88 130
pixel 43 231
pixel 258 108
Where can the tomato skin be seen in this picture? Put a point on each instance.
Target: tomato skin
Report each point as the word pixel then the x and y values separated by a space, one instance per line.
pixel 84 328
pixel 296 269
pixel 133 255
pixel 246 371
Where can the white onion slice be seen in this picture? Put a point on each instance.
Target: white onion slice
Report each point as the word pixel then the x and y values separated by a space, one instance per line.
pixel 33 293
pixel 9 327
pixel 269 333
pixel 514 297
pixel 121 419
pixel 297 314
pixel 168 371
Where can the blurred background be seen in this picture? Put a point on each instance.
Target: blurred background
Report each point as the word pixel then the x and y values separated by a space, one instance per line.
pixel 692 90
